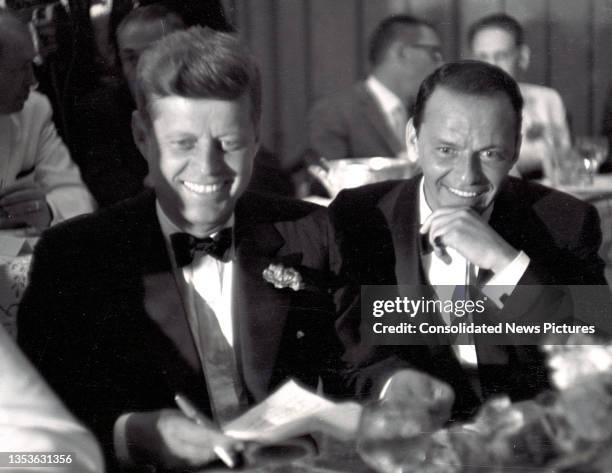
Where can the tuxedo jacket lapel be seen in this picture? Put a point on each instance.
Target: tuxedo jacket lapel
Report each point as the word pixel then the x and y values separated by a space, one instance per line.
pixel 166 307
pixel 373 113
pixel 400 208
pixel 260 310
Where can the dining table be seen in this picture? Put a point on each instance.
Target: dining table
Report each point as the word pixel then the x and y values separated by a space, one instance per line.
pixel 599 188
pixel 334 456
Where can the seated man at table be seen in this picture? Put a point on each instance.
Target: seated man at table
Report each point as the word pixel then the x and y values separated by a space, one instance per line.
pixel 32 419
pixel 466 216
pixel 164 293
pixel 39 183
pixel 369 119
pixel 499 40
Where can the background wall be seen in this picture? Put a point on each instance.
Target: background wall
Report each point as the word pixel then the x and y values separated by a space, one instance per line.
pixel 310 48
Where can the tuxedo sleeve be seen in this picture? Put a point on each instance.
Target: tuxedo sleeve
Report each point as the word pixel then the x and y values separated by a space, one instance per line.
pixel 55 335
pixel 553 289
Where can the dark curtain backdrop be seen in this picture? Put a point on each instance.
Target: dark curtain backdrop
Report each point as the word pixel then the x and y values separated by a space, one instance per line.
pixel 309 48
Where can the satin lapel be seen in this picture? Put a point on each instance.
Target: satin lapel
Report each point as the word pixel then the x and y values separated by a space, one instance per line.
pixel 376 117
pixel 260 310
pixel 509 216
pixel 165 306
pixel 400 208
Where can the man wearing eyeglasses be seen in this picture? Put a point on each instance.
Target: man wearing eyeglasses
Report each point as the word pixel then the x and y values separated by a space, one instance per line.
pixel 370 118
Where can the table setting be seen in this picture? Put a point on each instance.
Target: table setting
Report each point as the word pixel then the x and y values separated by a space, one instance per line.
pixel 567 429
pixel 575 170
pixel 16 248
pixel 338 174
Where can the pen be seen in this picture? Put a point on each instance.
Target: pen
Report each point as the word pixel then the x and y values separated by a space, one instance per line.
pixel 195 415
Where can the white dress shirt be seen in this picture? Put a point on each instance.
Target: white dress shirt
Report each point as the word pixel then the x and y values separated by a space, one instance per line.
pixel 209 277
pixel 545 130
pixel 390 104
pixel 212 280
pixel 443 277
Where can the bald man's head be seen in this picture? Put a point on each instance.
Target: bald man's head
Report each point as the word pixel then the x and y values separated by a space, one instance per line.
pixel 16 55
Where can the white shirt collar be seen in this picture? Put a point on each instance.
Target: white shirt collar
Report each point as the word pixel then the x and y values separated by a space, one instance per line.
pixel 387 99
pixel 168 227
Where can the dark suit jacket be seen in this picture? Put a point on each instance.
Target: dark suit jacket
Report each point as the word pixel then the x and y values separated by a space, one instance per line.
pixel 377 242
pixel 351 124
pixel 102 287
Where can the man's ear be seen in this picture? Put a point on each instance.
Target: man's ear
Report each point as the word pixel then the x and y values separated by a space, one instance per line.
pixel 517 148
pixel 524 57
pixel 412 142
pixel 140 133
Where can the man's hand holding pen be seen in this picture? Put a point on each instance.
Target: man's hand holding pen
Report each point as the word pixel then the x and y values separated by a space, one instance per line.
pixel 169 439
pixel 24 204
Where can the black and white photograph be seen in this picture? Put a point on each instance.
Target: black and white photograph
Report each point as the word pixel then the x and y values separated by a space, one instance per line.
pixel 310 236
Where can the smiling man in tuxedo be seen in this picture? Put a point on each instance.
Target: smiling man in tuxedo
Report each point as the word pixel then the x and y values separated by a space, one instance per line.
pixel 516 240
pixel 164 293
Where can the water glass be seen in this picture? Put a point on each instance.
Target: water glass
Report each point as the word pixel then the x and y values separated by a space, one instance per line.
pixel 393 436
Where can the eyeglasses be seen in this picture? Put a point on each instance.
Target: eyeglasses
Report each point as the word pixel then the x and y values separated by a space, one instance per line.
pixel 497 56
pixel 432 50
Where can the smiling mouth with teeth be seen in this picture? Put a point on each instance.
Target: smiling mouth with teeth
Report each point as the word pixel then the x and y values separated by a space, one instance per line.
pixel 204 188
pixel 464 194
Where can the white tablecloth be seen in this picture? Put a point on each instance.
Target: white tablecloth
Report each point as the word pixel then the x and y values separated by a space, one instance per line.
pixel 13 281
pixel 602 184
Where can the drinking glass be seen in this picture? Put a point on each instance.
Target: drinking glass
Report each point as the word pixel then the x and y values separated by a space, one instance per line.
pixel 394 436
pixel 593 149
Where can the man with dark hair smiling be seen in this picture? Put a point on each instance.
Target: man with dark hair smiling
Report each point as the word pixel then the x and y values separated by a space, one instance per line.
pixel 164 293
pixel 466 222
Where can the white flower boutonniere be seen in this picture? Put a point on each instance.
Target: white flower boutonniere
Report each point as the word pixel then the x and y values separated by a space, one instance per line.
pixel 283 277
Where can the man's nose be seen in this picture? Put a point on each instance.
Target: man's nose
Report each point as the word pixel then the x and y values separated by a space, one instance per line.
pixel 470 169
pixel 209 159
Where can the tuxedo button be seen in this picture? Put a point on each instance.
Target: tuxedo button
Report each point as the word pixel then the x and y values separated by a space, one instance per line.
pixel 299 334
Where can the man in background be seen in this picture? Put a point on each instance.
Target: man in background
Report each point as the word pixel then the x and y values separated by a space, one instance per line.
pixel 499 40
pixel 369 119
pixel 39 183
pixel 109 160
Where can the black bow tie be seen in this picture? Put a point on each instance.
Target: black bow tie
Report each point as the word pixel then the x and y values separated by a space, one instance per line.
pixel 185 246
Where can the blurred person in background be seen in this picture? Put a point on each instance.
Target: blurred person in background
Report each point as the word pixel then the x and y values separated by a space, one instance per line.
pixel 606 130
pixel 369 119
pixel 111 164
pixel 499 40
pixel 39 183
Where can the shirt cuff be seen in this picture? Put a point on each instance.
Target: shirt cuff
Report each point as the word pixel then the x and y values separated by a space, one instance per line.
pixel 120 441
pixel 503 283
